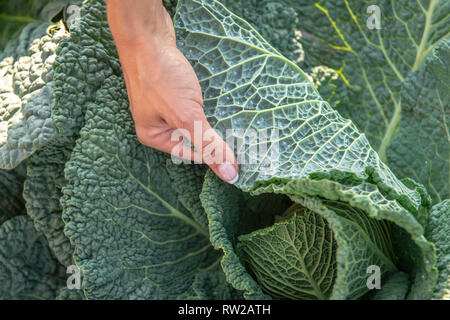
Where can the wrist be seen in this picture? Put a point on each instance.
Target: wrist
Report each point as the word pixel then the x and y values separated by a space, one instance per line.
pixel 135 23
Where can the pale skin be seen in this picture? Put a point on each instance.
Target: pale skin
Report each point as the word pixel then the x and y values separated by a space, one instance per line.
pixel 163 89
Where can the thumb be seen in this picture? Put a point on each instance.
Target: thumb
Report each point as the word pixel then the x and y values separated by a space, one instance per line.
pixel 212 150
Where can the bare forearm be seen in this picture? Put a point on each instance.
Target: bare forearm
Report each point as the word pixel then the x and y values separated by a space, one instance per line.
pixel 133 22
pixel 162 87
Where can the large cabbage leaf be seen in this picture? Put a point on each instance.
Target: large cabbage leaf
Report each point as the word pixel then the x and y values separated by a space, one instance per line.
pixel 247 84
pixel 26 68
pixel 83 62
pixel 362 72
pixel 28 130
pixel 42 191
pixel 380 81
pixel 26 94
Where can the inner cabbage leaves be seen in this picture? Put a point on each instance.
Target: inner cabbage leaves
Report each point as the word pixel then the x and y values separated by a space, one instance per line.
pixel 296 257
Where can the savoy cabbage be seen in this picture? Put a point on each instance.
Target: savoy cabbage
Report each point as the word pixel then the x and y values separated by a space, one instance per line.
pixel 78 187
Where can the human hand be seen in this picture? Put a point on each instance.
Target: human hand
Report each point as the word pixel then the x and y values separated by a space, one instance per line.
pixel 163 90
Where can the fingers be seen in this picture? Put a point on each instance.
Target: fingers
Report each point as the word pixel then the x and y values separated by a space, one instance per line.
pixel 167 140
pixel 211 149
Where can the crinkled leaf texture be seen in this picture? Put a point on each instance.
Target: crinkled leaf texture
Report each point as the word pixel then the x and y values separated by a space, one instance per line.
pixel 28 269
pixel 421 147
pixel 42 192
pixel 11 186
pixel 28 131
pixel 247 84
pixel 211 285
pixel 133 239
pixel 29 135
pixel 187 182
pixel 83 62
pixel 27 128
pixel 362 84
pixel 438 231
pixel 26 94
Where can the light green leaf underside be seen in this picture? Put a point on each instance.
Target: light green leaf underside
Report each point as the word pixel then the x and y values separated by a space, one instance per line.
pixel 274 21
pixel 26 94
pixel 421 147
pixel 438 231
pixel 133 239
pixel 247 85
pixel 340 79
pixel 28 269
pixel 293 259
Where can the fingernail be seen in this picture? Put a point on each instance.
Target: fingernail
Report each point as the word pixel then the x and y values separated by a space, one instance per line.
pixel 228 172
